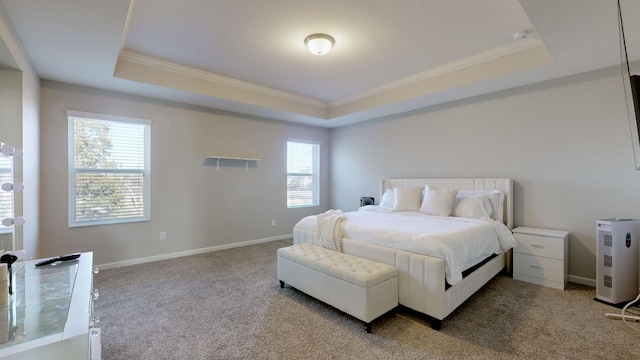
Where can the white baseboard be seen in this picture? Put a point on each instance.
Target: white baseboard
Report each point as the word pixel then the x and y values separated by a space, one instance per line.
pixel 191 252
pixel 572 278
pixel 582 280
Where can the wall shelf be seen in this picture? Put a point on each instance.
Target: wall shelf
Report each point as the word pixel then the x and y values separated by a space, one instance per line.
pixel 218 158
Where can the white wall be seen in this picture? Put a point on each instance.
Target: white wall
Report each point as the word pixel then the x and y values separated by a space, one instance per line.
pixel 565 143
pixel 197 205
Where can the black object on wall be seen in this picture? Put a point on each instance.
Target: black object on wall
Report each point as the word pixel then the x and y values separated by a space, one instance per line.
pixel 366 200
pixel 635 94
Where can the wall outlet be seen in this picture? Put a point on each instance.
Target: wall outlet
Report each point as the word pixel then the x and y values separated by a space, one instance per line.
pixel 163 235
pixel 273 222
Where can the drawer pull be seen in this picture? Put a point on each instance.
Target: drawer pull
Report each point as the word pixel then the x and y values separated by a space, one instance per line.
pixel 536 267
pixel 537 246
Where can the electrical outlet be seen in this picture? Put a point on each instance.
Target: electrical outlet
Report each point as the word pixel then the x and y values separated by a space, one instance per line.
pixel 273 222
pixel 163 235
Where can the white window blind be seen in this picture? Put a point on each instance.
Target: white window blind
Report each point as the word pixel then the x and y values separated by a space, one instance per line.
pixel 6 197
pixel 109 175
pixel 303 173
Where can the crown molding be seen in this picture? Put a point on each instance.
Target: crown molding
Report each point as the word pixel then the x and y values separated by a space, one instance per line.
pixel 470 61
pixel 417 85
pixel 168 66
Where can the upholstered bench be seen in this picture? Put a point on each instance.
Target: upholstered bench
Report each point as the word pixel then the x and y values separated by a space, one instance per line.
pixel 360 287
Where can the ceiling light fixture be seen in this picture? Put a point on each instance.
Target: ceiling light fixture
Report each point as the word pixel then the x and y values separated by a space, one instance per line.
pixel 319 44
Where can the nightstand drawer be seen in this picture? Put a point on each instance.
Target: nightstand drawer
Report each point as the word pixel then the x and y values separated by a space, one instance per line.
pixel 538 267
pixel 537 245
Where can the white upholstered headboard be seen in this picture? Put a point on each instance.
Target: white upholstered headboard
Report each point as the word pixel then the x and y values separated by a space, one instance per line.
pixel 503 184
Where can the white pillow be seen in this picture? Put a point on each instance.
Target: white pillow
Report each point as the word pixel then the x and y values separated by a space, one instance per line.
pixel 476 206
pixel 406 199
pixel 438 201
pixel 496 197
pixel 387 199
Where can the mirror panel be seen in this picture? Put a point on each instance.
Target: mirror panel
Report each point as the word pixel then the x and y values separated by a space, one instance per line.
pixel 6 202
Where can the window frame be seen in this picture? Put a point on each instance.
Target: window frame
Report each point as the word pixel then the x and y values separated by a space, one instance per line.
pixel 315 172
pixel 73 171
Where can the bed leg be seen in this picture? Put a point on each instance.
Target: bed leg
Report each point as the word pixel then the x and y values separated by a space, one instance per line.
pixel 281 284
pixel 436 324
pixel 367 328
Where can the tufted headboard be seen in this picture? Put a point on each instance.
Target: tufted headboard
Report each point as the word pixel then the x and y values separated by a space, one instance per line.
pixel 503 184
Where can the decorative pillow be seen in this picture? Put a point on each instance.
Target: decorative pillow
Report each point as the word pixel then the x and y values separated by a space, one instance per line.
pixel 438 201
pixel 476 206
pixel 406 199
pixel 496 197
pixel 387 199
pixel 497 202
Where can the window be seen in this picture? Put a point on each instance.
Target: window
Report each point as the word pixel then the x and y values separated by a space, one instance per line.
pixel 303 173
pixel 6 197
pixel 109 172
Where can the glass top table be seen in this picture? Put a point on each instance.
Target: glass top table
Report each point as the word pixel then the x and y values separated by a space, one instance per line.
pixel 40 302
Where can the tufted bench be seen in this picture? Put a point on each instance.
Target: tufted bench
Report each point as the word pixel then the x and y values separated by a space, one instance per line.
pixel 362 288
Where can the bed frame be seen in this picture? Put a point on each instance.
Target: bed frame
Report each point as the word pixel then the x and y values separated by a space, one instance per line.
pixel 421 279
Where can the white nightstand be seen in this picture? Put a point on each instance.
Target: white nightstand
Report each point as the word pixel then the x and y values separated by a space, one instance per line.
pixel 541 257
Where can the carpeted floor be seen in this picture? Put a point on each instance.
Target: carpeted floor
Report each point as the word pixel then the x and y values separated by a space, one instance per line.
pixel 228 305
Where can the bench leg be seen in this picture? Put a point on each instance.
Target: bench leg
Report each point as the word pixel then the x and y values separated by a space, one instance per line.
pixel 436 324
pixel 281 284
pixel 367 328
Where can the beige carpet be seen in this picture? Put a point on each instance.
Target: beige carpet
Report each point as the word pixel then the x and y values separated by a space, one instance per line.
pixel 229 305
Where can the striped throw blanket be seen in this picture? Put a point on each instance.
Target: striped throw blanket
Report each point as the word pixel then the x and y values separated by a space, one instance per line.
pixel 329 232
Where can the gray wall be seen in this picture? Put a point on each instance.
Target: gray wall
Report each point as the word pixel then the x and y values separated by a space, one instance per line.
pixel 29 232
pixel 565 143
pixel 11 105
pixel 198 206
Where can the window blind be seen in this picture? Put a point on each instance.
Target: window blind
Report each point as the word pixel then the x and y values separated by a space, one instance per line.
pixel 303 173
pixel 109 175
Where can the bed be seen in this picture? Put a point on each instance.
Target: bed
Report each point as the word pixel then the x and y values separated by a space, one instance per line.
pixel 427 283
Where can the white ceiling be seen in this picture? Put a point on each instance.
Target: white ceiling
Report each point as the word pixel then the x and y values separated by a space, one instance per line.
pixel 248 56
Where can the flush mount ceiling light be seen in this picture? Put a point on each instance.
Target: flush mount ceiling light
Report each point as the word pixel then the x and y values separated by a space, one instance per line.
pixel 319 44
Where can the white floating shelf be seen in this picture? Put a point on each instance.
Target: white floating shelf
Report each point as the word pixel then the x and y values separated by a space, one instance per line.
pixel 218 158
pixel 232 158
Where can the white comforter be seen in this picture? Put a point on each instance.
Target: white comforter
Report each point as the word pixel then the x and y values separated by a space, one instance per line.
pixel 456 240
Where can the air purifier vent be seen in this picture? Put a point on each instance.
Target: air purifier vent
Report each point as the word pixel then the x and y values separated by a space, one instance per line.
pixel 608 240
pixel 608 281
pixel 608 261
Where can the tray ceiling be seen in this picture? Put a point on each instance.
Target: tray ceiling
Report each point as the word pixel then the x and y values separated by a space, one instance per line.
pixel 248 56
